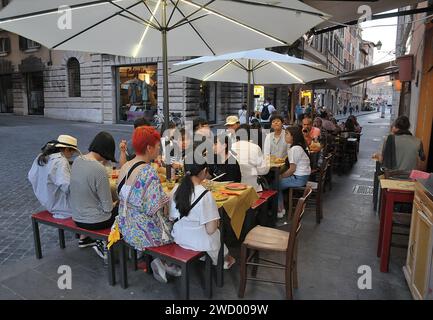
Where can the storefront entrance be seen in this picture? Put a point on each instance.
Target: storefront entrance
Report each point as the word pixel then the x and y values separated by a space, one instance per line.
pixel 6 96
pixel 208 94
pixel 35 92
pixel 137 93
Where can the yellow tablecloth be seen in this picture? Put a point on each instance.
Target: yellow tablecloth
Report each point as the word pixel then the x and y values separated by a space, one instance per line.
pixel 235 206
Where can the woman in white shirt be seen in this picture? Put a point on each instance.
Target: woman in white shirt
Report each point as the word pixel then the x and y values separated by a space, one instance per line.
pixel 299 165
pixel 250 157
pixel 243 114
pixel 196 215
pixel 50 176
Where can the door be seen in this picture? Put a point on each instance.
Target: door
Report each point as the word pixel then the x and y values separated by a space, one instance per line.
pixel 35 92
pixel 208 101
pixel 423 254
pixel 6 96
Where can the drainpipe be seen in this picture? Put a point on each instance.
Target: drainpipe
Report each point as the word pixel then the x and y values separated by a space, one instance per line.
pixel 102 88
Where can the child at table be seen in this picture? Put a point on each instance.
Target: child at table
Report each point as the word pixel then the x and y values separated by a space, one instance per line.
pixel 196 214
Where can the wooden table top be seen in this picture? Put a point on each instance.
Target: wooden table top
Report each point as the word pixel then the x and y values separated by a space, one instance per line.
pixel 397 184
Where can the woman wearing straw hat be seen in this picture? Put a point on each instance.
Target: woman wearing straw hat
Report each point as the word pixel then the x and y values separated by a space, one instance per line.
pixel 50 175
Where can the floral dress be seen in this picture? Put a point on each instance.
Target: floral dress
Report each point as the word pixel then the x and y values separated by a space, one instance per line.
pixel 141 220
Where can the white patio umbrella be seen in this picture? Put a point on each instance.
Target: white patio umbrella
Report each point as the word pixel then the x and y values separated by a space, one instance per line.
pixel 151 28
pixel 258 66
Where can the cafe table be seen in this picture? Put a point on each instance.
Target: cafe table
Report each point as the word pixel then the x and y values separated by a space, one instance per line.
pixel 234 208
pixel 392 191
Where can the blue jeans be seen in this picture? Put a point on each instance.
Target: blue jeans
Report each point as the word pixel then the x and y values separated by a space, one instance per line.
pixel 290 182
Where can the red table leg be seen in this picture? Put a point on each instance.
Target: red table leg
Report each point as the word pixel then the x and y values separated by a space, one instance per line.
pixel 382 217
pixel 386 232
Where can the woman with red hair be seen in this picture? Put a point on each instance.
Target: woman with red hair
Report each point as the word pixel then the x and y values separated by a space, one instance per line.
pixel 143 215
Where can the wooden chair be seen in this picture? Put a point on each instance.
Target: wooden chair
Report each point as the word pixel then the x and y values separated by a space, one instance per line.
pixel 317 188
pixel 264 239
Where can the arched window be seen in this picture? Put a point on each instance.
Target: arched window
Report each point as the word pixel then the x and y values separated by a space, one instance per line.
pixel 74 77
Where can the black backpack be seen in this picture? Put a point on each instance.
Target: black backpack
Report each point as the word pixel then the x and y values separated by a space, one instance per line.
pixel 265 112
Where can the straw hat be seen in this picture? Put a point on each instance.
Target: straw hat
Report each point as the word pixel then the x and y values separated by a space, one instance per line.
pixel 65 141
pixel 231 120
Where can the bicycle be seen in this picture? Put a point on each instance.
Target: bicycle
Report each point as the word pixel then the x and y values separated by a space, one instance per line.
pixel 175 118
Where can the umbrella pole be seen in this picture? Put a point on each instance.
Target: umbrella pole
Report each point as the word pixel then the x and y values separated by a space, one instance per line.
pixel 165 76
pixel 249 92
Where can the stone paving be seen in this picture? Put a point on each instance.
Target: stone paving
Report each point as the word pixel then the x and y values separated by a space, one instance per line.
pixel 329 253
pixel 21 139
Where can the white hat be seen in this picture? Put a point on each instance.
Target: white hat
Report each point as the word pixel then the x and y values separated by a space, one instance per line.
pixel 65 141
pixel 231 120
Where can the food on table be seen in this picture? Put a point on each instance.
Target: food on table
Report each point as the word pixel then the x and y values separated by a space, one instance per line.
pixel 162 178
pixel 236 186
pixel 170 184
pixel 219 196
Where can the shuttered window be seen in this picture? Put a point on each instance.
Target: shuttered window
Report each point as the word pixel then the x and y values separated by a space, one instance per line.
pixel 74 78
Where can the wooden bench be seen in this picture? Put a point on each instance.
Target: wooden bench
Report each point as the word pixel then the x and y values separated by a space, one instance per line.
pixel 171 253
pixel 45 217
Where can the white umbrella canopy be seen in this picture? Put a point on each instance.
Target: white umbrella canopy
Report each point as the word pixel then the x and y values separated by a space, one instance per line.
pixel 267 67
pixel 133 27
pixel 258 66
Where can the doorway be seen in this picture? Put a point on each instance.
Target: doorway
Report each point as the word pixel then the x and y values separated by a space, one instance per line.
pixel 35 92
pixel 6 96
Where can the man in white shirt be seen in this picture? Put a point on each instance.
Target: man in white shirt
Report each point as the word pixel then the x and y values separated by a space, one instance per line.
pixel 266 112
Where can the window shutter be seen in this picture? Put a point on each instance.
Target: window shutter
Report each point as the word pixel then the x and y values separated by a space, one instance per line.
pixel 7 45
pixel 23 43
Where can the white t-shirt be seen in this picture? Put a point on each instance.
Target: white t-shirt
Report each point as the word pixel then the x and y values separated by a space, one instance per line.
pixel 271 109
pixel 190 231
pixel 242 116
pixel 251 162
pixel 297 155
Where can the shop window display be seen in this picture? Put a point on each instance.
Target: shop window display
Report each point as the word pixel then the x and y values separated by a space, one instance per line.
pixel 138 92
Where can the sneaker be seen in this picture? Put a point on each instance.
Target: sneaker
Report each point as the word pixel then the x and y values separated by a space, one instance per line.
pixel 86 242
pixel 173 270
pixel 280 214
pixel 100 249
pixel 158 270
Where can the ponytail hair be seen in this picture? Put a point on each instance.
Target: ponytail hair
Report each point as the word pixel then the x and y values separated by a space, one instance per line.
pixel 47 150
pixel 183 194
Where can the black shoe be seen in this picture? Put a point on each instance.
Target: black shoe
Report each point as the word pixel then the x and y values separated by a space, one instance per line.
pixel 86 242
pixel 101 249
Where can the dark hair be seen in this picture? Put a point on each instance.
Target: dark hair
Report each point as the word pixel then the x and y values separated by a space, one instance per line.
pixel 298 137
pixel 183 194
pixel 275 117
pixel 324 115
pixel 199 122
pixel 104 145
pixel 47 150
pixel 255 124
pixel 245 127
pixel 402 123
pixel 141 122
pixel 223 139
pixel 349 125
pixel 244 106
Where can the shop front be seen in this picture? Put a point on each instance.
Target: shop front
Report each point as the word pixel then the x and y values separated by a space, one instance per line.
pixel 136 92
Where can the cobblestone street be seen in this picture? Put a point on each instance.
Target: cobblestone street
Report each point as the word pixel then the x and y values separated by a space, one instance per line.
pixel 21 139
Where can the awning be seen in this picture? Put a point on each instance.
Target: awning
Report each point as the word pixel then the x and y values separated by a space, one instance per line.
pixel 359 76
pixel 333 84
pixel 345 11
